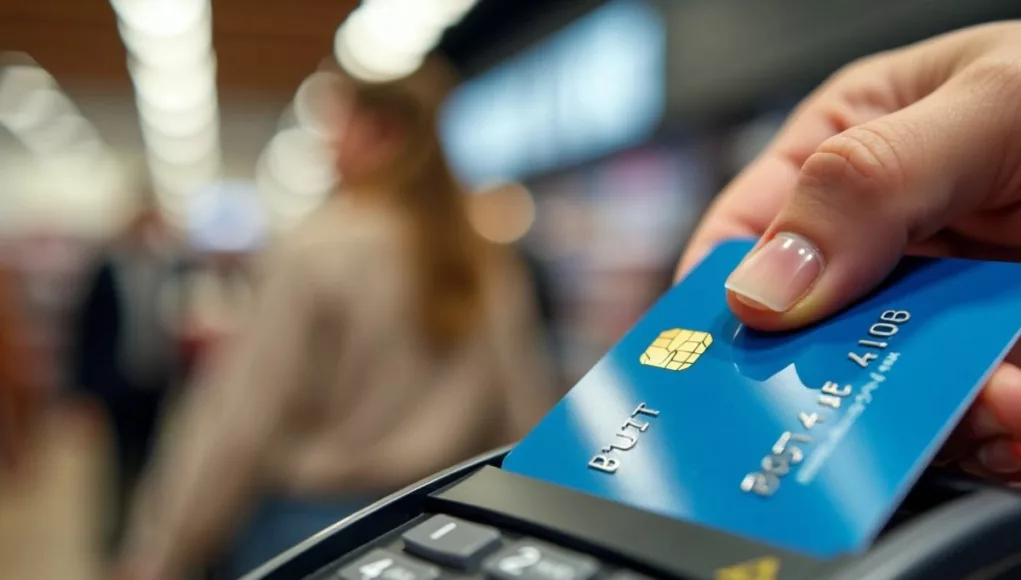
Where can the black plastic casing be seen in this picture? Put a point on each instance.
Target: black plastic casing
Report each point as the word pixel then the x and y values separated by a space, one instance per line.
pixel 949 527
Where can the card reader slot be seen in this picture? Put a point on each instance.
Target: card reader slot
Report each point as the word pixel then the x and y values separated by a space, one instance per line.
pixel 937 487
pixel 950 526
pixel 617 533
pixel 964 539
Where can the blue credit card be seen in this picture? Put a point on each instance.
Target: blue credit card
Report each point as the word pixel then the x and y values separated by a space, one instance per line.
pixel 807 441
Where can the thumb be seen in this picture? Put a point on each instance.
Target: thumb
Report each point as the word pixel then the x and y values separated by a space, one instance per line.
pixel 863 196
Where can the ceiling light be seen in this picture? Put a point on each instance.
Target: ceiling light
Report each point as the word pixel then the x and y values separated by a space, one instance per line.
pixel 78 175
pixel 205 169
pixel 401 26
pixel 17 84
pixel 183 150
pixel 177 88
pixel 188 47
pixel 36 109
pixel 433 13
pixel 371 61
pixel 281 203
pixel 180 184
pixel 301 162
pixel 179 122
pixel 161 17
pixel 59 134
pixel 318 104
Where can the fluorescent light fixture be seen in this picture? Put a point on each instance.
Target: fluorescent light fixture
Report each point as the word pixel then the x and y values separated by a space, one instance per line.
pixel 317 105
pixel 420 14
pixel 58 134
pixel 183 151
pixel 206 169
pixel 180 184
pixel 78 175
pixel 373 63
pixel 173 68
pixel 161 17
pixel 381 40
pixel 400 26
pixel 17 84
pixel 180 122
pixel 36 109
pixel 300 162
pixel 285 207
pixel 388 39
pixel 188 47
pixel 176 88
pixel 375 57
pixel 74 170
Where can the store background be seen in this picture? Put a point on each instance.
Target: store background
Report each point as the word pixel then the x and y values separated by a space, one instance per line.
pixel 625 117
pixel 602 130
pixel 622 118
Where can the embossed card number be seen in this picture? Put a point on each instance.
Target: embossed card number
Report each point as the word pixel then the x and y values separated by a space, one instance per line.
pixel 789 449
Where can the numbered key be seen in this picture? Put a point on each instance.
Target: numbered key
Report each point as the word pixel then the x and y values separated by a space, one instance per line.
pixel 385 565
pixel 530 560
pixel 452 542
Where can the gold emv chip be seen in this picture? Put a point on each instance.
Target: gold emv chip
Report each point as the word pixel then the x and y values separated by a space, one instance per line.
pixel 676 349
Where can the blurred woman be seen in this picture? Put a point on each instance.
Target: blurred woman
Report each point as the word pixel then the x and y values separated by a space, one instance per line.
pixel 387 342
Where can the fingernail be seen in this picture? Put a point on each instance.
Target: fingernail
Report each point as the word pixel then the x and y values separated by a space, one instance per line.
pixel 779 274
pixel 1001 456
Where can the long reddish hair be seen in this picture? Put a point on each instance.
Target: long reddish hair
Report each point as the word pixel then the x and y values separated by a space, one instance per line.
pixel 419 181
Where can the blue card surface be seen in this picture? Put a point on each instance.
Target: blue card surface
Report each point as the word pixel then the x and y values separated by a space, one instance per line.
pixel 806 441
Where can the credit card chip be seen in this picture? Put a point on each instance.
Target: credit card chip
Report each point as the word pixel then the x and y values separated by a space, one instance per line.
pixel 676 349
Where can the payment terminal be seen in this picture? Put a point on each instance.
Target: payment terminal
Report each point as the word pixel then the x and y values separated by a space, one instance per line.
pixel 479 521
pixel 699 449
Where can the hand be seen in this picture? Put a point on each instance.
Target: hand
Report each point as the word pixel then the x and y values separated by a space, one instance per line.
pixel 916 151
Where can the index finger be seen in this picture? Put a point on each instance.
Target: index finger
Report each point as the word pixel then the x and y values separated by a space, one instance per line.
pixel 858 93
pixel 747 206
pixel 742 210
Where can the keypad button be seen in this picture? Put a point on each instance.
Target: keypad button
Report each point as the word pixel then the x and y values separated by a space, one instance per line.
pixel 530 560
pixel 452 542
pixel 385 565
pixel 626 575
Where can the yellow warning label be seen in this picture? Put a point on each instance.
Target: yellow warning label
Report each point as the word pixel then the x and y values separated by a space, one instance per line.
pixel 760 569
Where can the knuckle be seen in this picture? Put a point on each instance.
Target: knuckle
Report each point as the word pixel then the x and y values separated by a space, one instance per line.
pixel 1001 75
pixel 997 82
pixel 864 157
pixel 862 68
pixel 858 66
pixel 846 75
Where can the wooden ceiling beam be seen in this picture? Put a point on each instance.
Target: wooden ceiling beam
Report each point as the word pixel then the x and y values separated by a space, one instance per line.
pixel 264 46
